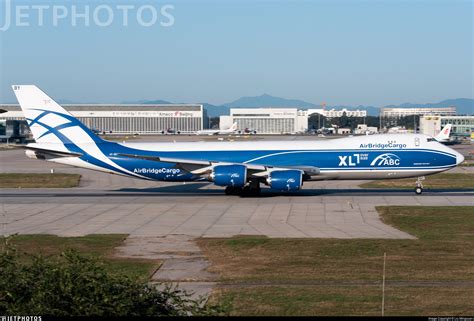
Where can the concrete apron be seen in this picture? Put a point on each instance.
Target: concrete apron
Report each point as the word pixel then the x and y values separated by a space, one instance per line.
pixel 184 264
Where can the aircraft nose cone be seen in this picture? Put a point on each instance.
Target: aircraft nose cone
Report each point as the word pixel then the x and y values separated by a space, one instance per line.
pixel 459 158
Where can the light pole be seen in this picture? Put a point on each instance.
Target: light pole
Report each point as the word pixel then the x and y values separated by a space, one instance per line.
pixel 380 121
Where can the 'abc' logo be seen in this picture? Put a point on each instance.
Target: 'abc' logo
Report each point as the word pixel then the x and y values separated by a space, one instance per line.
pixel 386 160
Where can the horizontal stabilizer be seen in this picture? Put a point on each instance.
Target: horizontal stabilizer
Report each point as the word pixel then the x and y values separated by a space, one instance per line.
pixel 50 152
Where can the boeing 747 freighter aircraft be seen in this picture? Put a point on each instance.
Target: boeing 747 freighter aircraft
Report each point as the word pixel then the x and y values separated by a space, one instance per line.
pixel 240 167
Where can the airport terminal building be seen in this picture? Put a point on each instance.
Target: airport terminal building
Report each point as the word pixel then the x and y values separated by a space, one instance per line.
pixel 267 120
pixel 462 125
pixel 338 113
pixel 123 119
pixel 398 112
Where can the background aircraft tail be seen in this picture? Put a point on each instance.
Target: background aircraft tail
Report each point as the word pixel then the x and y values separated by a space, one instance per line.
pixel 443 135
pixel 48 121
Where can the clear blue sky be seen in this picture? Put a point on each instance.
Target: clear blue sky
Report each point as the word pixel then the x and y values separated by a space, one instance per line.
pixel 338 52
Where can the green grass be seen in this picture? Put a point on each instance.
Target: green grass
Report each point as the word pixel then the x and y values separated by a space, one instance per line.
pixel 302 301
pixel 467 164
pixel 36 180
pixel 290 276
pixel 97 246
pixel 342 301
pixel 443 180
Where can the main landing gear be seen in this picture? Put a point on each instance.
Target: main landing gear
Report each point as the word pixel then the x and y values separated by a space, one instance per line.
pixel 231 190
pixel 252 189
pixel 419 185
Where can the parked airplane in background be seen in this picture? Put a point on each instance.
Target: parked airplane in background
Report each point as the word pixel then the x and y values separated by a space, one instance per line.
pixel 170 131
pixel 247 131
pixel 443 135
pixel 241 166
pixel 229 131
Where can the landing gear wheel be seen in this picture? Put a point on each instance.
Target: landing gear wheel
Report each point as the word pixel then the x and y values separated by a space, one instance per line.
pixel 229 190
pixel 419 185
pixel 251 190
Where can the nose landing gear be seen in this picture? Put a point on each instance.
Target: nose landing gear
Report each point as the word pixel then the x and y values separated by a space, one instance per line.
pixel 419 185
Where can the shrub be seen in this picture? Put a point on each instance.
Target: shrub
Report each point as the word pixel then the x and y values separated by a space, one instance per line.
pixel 74 285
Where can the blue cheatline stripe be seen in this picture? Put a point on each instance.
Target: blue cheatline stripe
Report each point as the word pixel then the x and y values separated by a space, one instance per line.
pixel 272 152
pixel 283 152
pixel 386 168
pixel 94 161
pixel 74 122
pixel 34 121
pixel 74 148
pixel 258 153
pixel 52 130
pixel 58 128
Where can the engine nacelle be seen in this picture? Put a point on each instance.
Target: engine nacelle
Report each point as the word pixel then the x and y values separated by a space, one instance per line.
pixel 286 180
pixel 229 175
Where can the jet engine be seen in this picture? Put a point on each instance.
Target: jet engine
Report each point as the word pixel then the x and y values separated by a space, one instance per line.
pixel 229 175
pixel 285 180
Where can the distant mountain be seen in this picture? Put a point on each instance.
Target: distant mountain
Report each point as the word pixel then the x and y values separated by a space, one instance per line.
pixel 266 100
pixel 261 101
pixel 147 102
pixel 215 111
pixel 464 106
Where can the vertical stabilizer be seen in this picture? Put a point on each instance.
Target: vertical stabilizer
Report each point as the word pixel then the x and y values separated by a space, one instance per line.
pixel 443 135
pixel 48 121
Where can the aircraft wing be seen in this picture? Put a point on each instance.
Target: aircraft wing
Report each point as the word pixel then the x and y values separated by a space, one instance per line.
pixel 200 167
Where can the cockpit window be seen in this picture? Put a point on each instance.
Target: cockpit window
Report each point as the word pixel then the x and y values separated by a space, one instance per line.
pixel 431 139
